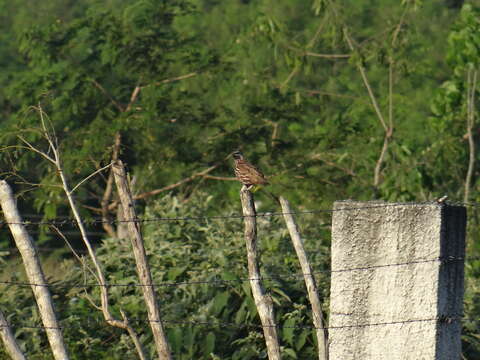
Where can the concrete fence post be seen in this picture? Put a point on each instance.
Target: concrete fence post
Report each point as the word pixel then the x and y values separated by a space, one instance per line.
pixel 397 281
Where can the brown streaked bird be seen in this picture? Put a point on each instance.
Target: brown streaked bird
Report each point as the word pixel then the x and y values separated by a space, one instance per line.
pixel 246 173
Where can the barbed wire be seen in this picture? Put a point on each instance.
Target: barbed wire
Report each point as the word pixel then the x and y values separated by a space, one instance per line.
pixel 444 319
pixel 98 221
pixel 224 282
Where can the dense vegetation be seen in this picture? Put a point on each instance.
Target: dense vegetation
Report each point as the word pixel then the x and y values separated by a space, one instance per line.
pixel 333 100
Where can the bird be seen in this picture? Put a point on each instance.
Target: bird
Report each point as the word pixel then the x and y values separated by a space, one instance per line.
pixel 246 173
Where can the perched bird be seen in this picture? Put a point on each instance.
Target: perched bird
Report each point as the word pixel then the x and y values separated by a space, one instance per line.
pixel 246 173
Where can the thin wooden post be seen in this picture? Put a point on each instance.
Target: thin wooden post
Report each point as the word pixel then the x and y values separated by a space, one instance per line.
pixel 11 345
pixel 34 271
pixel 309 280
pixel 141 261
pixel 263 302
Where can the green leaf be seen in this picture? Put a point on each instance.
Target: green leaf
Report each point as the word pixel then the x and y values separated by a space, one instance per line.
pixel 189 339
pixel 175 338
pixel 241 313
pixel 219 302
pixel 229 276
pixel 209 344
pixel 290 352
pixel 301 339
pixel 289 330
pixel 282 293
pixel 175 272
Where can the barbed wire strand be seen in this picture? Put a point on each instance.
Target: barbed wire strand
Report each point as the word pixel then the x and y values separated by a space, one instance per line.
pixel 224 282
pixel 445 319
pixel 72 221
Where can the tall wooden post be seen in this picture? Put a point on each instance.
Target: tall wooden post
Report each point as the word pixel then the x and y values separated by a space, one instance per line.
pixel 263 302
pixel 141 261
pixel 34 272
pixel 315 303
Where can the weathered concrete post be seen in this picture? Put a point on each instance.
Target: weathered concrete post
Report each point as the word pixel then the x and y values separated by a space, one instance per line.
pixel 397 281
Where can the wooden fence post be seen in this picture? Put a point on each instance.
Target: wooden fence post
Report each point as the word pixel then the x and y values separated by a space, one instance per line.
pixel 397 281
pixel 34 271
pixel 11 345
pixel 310 283
pixel 141 261
pixel 263 302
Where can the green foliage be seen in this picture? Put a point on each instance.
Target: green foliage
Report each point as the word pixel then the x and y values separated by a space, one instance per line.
pixel 449 106
pixel 464 45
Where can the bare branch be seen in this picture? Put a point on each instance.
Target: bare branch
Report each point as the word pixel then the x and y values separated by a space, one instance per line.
pixel 221 178
pixel 109 189
pixel 90 176
pixel 290 76
pixel 275 131
pixel 107 94
pixel 396 32
pixel 333 164
pixel 390 94
pixel 90 300
pixel 81 226
pixel 133 97
pixel 147 194
pixel 471 88
pixel 78 257
pixel 34 149
pixel 387 128
pixel 169 80
pixel 327 93
pixel 314 54
pixel 381 158
pixel 388 134
pixel 38 184
pixel 313 40
pixel 144 195
pixel 14 147
pixel 92 208
pixel 138 345
pixel 48 133
pixel 327 56
pixel 11 346
pixel 310 44
pixel 177 184
pixel 363 73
